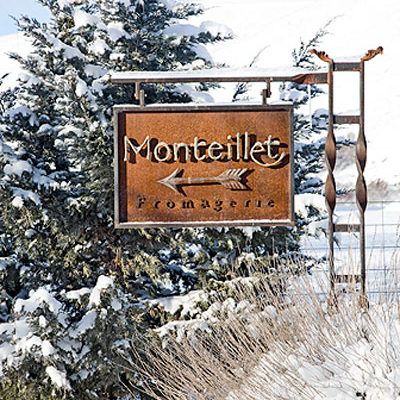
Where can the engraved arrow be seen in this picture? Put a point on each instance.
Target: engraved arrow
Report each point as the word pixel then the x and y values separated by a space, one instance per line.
pixel 230 178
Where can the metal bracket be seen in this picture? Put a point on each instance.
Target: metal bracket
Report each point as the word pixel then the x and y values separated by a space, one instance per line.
pixel 139 94
pixel 266 93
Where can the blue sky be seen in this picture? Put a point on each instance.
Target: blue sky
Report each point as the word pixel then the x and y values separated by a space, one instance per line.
pixel 15 8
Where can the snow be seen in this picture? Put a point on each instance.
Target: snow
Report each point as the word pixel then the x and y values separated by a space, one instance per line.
pixel 18 167
pixel 22 110
pixel 305 199
pixel 216 29
pixel 37 299
pixel 42 321
pixel 17 202
pixel 28 342
pixel 21 328
pixel 12 43
pixel 99 46
pixel 187 303
pixel 223 74
pixel 77 294
pixel 59 378
pixel 94 70
pixel 103 282
pixel 87 322
pixel 180 29
pixel 362 356
pixel 69 52
pixel 117 56
pixel 19 195
pixel 82 18
pixel 116 31
pixel 116 305
pixel 47 348
pixel 81 88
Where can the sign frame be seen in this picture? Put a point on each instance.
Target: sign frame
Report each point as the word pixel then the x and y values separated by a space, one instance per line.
pixel 184 108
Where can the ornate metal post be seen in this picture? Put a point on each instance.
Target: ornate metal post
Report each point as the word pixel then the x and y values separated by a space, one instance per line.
pixel 361 158
pixel 361 186
pixel 330 185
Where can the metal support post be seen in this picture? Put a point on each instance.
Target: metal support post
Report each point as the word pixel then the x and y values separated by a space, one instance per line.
pixel 330 185
pixel 361 186
pixel 361 158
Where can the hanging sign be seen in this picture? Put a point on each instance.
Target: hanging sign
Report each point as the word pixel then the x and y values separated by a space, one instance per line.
pixel 183 166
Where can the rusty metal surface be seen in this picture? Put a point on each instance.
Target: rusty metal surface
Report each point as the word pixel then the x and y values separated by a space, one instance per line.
pixel 162 188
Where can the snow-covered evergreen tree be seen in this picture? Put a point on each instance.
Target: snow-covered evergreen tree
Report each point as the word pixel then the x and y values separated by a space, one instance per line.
pixel 63 315
pixel 74 289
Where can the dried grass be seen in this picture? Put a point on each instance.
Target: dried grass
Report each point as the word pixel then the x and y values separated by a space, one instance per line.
pixel 269 349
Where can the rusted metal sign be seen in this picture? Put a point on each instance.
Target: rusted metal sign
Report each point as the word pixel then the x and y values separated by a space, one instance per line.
pixel 203 166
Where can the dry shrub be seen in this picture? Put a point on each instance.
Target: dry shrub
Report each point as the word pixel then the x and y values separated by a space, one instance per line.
pixel 271 345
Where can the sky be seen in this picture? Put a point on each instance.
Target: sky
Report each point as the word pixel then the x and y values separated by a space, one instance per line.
pixel 15 8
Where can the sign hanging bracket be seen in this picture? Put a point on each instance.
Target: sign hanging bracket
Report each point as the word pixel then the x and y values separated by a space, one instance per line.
pixel 139 94
pixel 266 93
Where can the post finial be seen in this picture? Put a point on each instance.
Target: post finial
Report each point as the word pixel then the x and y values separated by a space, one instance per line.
pixel 322 55
pixel 372 53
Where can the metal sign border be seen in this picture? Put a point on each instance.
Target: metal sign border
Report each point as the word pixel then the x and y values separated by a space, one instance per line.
pixel 119 109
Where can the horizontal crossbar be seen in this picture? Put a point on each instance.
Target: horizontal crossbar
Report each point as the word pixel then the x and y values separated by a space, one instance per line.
pixel 343 228
pixel 347 66
pixel 346 119
pixel 298 75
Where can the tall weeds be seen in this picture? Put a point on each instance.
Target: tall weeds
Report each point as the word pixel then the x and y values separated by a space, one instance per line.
pixel 279 345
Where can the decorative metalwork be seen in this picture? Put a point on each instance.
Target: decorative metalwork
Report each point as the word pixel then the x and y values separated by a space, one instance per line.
pixel 372 53
pixel 330 185
pixel 322 55
pixel 361 159
pixel 231 179
pixel 175 182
